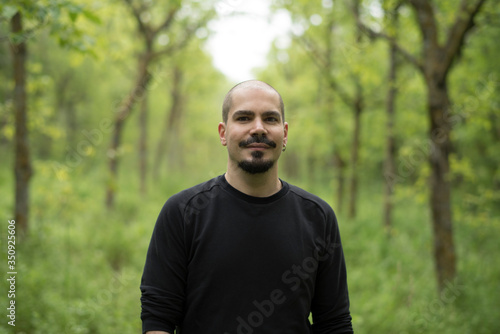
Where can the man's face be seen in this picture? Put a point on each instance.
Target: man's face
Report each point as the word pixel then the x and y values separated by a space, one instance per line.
pixel 255 132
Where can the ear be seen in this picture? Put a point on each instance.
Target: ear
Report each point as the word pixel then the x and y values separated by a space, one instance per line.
pixel 222 133
pixel 285 133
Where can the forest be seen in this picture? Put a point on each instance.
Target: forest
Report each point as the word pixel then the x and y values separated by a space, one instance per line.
pixel 110 107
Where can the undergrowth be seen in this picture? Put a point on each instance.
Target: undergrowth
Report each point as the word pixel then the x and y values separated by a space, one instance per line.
pixel 79 269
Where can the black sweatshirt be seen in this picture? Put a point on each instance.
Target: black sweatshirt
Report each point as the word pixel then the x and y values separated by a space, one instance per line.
pixel 223 262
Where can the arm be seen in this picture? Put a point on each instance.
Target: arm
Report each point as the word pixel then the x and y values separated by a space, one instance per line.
pixel 330 305
pixel 164 277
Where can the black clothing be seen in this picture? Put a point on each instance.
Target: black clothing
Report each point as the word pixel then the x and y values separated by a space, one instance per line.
pixel 223 262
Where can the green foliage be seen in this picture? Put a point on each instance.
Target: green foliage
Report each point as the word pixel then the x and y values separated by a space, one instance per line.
pixel 60 16
pixel 79 271
pixel 391 279
pixel 80 267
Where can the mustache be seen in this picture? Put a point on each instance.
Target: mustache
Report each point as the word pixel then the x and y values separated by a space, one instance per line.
pixel 258 140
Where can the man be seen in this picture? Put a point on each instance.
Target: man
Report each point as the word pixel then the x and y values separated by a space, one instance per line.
pixel 246 252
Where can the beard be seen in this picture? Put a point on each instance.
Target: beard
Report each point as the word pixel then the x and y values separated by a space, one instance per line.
pixel 257 164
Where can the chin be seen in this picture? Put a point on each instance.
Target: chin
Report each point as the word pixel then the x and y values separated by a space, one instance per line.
pixel 255 166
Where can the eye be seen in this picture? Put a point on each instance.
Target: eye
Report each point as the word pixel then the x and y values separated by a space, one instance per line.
pixel 243 118
pixel 272 119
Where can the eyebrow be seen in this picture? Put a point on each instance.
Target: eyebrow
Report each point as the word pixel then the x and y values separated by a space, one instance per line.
pixel 273 113
pixel 239 113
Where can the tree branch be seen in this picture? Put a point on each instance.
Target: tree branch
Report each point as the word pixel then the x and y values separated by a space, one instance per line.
pixel 456 35
pixel 313 51
pixel 427 23
pixel 144 29
pixel 322 64
pixel 372 34
pixel 188 34
pixel 168 21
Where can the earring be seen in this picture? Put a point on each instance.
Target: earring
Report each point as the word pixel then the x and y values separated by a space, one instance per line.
pixel 284 148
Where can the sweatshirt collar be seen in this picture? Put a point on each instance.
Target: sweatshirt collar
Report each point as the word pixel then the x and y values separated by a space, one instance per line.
pixel 252 199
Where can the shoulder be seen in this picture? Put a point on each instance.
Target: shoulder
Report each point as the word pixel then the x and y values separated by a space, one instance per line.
pixel 193 198
pixel 312 201
pixel 311 208
pixel 309 197
pixel 178 209
pixel 194 195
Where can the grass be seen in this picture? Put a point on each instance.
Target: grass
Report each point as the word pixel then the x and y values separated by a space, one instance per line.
pixel 79 270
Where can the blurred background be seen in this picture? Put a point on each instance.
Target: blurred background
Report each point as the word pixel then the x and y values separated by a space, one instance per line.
pixel 109 107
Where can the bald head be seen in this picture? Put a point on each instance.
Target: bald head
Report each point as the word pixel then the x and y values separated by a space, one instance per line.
pixel 250 84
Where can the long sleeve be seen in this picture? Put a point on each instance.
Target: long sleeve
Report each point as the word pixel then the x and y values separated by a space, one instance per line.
pixel 330 305
pixel 221 261
pixel 164 277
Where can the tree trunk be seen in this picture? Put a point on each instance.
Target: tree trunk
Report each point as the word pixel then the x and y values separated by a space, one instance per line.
pixel 340 165
pixel 174 152
pixel 22 165
pixel 358 109
pixel 357 104
pixel 440 197
pixel 143 144
pixel 3 138
pixel 125 108
pixel 436 61
pixel 66 105
pixel 172 119
pixel 390 150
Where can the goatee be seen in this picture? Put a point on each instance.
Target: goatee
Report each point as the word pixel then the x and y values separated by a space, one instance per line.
pixel 257 164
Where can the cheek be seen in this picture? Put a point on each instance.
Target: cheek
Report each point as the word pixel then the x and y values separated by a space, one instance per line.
pixel 233 135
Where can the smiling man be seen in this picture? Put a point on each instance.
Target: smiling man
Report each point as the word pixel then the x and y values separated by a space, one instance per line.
pixel 246 252
pixel 254 131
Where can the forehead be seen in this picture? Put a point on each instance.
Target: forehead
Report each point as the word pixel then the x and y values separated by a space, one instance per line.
pixel 255 99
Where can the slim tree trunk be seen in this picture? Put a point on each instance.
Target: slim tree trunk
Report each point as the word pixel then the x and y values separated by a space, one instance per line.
pixel 174 129
pixel 357 104
pixel 143 144
pixel 358 110
pixel 390 150
pixel 161 148
pixel 172 119
pixel 66 105
pixel 440 198
pixel 125 108
pixel 340 165
pixel 22 164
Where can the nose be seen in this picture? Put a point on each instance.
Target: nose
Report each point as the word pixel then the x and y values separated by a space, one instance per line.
pixel 258 127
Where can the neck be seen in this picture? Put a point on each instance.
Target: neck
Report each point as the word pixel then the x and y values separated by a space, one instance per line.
pixel 257 185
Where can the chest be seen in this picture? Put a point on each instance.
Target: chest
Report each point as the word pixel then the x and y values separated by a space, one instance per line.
pixel 253 247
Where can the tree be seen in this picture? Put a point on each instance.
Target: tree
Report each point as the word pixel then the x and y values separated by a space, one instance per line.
pixel 142 12
pixel 323 48
pixel 22 165
pixel 390 151
pixel 171 124
pixel 39 14
pixel 436 60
